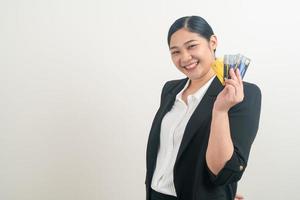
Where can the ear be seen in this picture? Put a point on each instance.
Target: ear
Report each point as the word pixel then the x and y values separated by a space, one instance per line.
pixel 213 42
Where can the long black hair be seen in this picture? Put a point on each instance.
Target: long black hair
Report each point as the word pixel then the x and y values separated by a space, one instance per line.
pixel 194 24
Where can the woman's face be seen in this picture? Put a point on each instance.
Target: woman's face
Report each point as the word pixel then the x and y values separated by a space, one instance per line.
pixel 192 54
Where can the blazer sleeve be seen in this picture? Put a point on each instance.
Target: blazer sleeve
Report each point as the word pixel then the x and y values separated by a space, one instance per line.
pixel 244 123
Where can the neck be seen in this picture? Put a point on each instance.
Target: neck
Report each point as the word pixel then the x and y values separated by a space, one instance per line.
pixel 198 83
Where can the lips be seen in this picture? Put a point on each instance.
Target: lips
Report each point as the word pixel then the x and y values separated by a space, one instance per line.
pixel 191 65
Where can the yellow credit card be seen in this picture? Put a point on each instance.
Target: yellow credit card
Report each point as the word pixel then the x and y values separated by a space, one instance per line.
pixel 218 67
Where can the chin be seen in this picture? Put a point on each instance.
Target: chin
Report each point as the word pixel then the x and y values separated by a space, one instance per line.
pixel 198 76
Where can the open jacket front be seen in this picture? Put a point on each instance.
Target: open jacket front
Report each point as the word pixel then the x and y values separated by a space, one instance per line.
pixel 192 178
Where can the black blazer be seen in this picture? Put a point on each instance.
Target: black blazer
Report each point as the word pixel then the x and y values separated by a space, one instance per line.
pixel 192 178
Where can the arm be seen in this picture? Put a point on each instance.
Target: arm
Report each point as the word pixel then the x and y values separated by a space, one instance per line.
pixel 220 146
pixel 234 126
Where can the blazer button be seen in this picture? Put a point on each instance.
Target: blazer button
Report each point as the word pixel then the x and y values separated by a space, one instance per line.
pixel 241 167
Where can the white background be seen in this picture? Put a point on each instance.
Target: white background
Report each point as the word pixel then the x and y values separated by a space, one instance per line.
pixel 80 82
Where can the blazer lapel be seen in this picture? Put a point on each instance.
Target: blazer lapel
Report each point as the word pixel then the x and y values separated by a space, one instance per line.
pixel 166 106
pixel 202 111
pixel 199 116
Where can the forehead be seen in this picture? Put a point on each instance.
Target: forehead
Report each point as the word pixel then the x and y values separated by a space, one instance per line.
pixel 182 36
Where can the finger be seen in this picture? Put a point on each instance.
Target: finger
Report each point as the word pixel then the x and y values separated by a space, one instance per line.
pixel 235 83
pixel 238 75
pixel 237 87
pixel 232 74
pixel 239 196
pixel 239 79
pixel 230 92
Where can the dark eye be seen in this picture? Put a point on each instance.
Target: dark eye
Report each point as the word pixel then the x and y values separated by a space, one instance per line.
pixel 192 46
pixel 175 52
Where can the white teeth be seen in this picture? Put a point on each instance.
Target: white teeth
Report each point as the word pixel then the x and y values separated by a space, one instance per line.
pixel 191 65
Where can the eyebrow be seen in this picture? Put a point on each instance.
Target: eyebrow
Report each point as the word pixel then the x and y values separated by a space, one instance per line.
pixel 174 47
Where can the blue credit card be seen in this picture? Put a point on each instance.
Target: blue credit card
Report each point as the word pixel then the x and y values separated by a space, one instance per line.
pixel 235 61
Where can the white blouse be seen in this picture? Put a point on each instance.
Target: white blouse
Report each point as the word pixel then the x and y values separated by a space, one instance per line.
pixel 172 130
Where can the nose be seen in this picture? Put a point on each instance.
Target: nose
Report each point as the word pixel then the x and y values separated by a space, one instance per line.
pixel 185 58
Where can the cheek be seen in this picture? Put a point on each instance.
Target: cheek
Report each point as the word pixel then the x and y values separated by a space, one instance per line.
pixel 204 50
pixel 175 60
pixel 199 53
pixel 205 56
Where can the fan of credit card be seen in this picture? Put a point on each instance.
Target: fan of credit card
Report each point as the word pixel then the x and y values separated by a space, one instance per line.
pixel 221 66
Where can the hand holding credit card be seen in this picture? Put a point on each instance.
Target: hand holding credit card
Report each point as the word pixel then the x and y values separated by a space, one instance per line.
pixel 221 66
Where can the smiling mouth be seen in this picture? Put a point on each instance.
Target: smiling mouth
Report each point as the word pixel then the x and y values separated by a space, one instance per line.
pixel 191 66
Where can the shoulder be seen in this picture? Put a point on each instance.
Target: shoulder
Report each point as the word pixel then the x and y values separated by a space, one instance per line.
pixel 251 90
pixel 252 98
pixel 172 83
